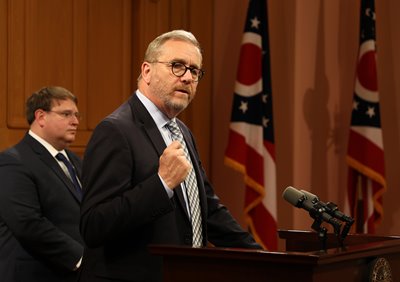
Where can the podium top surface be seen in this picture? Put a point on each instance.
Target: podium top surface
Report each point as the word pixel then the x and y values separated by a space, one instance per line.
pixel 302 248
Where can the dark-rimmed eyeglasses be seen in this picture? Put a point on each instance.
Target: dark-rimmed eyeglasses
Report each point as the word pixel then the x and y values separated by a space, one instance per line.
pixel 179 70
pixel 67 114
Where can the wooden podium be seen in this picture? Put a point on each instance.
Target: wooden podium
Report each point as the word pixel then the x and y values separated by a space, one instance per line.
pixel 364 258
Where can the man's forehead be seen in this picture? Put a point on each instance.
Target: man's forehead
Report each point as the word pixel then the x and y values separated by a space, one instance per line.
pixel 182 51
pixel 60 102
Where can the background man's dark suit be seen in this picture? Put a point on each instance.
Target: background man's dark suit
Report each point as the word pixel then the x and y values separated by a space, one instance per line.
pixel 39 216
pixel 125 207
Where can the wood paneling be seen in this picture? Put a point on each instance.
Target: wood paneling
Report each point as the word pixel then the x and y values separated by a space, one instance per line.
pixel 16 64
pixel 3 68
pixel 108 57
pixel 83 45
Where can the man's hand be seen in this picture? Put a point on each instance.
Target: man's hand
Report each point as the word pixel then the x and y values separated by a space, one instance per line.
pixel 174 167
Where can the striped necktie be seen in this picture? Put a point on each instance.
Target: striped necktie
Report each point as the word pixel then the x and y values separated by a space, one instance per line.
pixel 191 188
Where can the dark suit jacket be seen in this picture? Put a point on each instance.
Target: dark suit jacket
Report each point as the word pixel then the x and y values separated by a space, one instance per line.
pixel 125 206
pixel 39 216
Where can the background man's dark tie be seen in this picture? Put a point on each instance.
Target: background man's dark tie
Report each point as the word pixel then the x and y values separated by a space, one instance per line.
pixel 72 173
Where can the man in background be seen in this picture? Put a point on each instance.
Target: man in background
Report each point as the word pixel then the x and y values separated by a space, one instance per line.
pixel 40 194
pixel 143 181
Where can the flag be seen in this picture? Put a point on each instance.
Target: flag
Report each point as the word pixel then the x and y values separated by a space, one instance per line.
pixel 251 147
pixel 365 155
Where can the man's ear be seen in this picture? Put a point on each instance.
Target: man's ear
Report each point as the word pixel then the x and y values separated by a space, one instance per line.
pixel 40 117
pixel 146 72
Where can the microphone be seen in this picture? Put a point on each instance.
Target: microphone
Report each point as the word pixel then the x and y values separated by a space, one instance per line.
pixel 329 207
pixel 300 200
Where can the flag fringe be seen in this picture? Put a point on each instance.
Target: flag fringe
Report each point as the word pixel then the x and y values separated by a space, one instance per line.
pixel 365 170
pixel 375 176
pixel 253 230
pixel 259 188
pixel 251 183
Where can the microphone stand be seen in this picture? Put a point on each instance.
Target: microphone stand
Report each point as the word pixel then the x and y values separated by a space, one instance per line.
pixel 345 231
pixel 316 213
pixel 332 208
pixel 317 226
pixel 320 212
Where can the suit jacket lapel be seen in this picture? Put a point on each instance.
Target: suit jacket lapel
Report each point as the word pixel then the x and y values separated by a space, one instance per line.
pixel 48 159
pixel 75 163
pixel 149 126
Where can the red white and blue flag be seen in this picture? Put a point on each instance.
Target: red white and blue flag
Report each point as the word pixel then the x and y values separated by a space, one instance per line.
pixel 365 157
pixel 251 148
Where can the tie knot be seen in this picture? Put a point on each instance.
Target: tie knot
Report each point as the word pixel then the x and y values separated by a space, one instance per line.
pixel 174 128
pixel 61 157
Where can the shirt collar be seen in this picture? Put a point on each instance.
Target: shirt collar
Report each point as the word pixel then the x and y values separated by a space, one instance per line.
pixel 53 151
pixel 159 117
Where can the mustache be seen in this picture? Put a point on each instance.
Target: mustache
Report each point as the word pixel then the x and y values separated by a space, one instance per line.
pixel 185 89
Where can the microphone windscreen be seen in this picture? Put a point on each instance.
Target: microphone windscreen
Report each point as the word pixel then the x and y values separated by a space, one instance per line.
pixel 292 195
